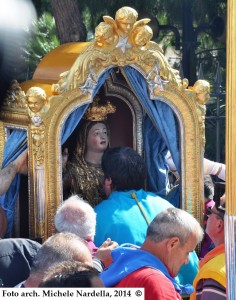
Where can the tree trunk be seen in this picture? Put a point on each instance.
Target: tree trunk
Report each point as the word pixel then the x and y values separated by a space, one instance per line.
pixel 69 24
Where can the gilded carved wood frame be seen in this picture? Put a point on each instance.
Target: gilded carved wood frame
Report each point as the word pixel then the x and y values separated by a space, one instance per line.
pixel 74 90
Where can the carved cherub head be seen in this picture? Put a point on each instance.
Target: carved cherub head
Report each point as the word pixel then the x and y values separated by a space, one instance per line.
pixel 202 90
pixel 104 34
pixel 125 18
pixel 141 35
pixel 36 99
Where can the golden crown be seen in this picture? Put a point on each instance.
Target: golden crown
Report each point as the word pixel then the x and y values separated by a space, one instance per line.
pixel 99 112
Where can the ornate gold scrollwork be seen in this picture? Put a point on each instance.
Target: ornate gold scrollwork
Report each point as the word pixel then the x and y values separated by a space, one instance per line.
pixel 38 145
pixel 40 229
pixel 38 106
pixel 15 97
pixel 120 42
pixel 201 90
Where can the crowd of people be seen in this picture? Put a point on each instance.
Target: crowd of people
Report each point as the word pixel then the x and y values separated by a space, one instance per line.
pixel 132 239
pixel 112 232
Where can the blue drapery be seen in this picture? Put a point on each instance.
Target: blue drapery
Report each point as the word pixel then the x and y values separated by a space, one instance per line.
pixel 160 134
pixel 16 144
pixel 75 117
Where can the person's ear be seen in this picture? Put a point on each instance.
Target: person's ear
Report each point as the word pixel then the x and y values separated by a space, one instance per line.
pixel 108 186
pixel 173 243
pixel 220 225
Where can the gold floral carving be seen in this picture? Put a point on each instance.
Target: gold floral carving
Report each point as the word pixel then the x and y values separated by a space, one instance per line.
pixel 38 142
pixel 14 107
pixel 15 97
pixel 98 112
pixel 40 229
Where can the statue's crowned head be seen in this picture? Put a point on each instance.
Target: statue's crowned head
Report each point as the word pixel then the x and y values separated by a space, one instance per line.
pixel 96 113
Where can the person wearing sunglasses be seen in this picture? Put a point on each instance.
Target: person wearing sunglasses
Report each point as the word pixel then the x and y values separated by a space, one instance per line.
pixel 210 282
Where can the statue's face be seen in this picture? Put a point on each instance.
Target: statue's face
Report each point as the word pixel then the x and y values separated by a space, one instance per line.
pixel 97 139
pixel 125 26
pixel 104 35
pixel 140 39
pixel 35 104
pixel 109 37
pixel 203 96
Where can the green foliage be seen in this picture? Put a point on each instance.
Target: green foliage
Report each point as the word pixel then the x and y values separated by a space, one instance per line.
pixel 42 40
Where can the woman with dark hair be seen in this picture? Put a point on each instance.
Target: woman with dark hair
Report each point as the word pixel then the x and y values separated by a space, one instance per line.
pixel 83 174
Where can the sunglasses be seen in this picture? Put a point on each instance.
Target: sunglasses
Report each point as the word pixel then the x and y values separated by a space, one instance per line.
pixel 210 211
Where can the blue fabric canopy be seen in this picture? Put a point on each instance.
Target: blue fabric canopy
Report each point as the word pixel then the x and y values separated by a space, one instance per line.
pixel 75 117
pixel 15 145
pixel 160 133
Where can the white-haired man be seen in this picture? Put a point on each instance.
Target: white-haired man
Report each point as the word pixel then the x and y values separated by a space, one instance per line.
pixel 77 216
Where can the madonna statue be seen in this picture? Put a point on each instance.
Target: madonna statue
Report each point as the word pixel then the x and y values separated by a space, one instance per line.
pixel 82 174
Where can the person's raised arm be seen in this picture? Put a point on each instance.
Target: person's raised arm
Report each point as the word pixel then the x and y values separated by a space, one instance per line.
pixel 214 168
pixel 7 174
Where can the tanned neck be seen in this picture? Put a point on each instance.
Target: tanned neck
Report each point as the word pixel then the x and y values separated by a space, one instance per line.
pixel 153 248
pixel 218 241
pixel 33 281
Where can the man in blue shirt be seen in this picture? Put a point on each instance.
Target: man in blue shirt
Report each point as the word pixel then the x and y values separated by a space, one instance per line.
pixel 129 209
pixel 125 215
